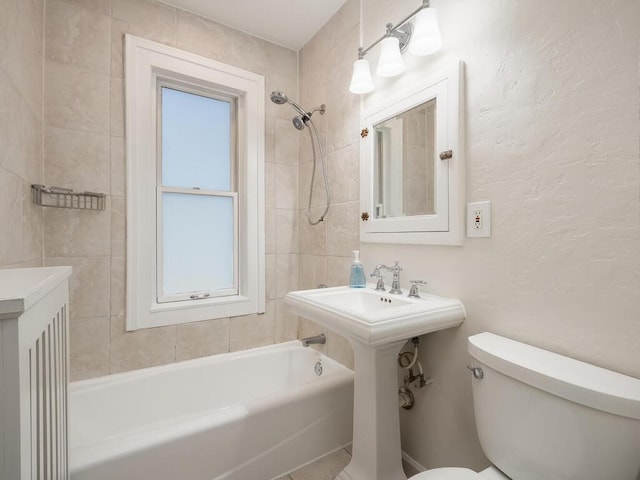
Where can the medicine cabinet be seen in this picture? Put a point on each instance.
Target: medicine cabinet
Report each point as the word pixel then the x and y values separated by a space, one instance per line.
pixel 412 164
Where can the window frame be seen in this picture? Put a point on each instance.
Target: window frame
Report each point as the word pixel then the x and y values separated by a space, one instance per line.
pixel 149 66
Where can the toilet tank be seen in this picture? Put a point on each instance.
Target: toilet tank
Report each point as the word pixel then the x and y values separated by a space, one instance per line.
pixel 543 416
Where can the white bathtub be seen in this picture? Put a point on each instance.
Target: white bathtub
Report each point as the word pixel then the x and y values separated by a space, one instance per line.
pixel 251 415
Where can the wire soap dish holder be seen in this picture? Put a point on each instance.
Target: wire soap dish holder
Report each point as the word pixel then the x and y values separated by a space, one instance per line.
pixel 51 196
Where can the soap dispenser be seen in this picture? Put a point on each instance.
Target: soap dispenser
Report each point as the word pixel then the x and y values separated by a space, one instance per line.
pixel 357 278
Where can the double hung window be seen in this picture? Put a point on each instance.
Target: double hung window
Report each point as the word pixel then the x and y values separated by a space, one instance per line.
pixel 197 201
pixel 195 167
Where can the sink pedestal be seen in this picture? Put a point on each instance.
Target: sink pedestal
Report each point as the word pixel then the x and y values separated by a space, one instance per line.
pixel 376 418
pixel 377 324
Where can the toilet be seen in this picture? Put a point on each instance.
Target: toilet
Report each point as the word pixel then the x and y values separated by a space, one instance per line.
pixel 543 416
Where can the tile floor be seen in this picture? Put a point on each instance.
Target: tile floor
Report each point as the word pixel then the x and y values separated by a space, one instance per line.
pixel 327 467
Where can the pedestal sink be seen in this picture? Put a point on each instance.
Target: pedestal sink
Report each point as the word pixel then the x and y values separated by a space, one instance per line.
pixel 377 324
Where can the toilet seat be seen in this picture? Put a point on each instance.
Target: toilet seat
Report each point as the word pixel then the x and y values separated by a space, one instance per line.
pixel 448 473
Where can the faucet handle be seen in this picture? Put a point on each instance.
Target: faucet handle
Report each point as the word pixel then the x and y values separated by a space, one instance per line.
pixel 380 285
pixel 414 292
pixel 397 266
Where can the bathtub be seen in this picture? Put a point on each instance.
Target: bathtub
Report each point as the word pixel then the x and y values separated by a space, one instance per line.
pixel 251 415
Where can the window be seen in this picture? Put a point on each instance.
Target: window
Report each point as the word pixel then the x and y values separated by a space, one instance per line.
pixel 195 219
pixel 196 258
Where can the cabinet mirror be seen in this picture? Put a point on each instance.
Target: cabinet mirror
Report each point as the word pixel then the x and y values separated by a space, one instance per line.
pixel 412 171
pixel 404 168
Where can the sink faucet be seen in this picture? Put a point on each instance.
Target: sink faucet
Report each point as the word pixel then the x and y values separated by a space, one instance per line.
pixel 376 274
pixel 395 286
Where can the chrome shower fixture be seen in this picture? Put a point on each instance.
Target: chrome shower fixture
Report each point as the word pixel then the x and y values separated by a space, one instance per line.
pixel 317 340
pixel 299 121
pixel 280 98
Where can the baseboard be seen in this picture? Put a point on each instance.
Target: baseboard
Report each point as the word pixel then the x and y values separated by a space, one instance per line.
pixel 411 466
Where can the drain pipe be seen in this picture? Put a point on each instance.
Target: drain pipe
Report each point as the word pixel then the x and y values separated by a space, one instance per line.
pixel 408 360
pixel 405 398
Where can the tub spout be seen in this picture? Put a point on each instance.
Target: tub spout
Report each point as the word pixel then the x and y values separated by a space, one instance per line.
pixel 318 339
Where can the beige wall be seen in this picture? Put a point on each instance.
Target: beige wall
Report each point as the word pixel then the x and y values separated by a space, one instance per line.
pixel 21 47
pixel 552 141
pixel 84 150
pixel 325 249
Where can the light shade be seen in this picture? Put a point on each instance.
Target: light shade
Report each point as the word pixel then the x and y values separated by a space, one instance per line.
pixel 426 38
pixel 390 63
pixel 361 81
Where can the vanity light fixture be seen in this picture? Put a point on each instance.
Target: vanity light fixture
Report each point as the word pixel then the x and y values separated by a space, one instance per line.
pixel 390 63
pixel 361 81
pixel 426 37
pixel 423 38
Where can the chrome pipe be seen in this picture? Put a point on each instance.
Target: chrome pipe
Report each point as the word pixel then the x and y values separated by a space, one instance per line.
pixel 317 340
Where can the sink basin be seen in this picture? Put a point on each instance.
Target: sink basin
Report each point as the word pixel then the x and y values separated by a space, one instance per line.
pixel 375 318
pixel 357 301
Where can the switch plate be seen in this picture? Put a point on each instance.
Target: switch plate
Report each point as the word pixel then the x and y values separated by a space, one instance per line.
pixel 479 219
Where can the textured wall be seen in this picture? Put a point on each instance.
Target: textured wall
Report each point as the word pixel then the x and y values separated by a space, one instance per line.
pixel 21 47
pixel 552 141
pixel 84 149
pixel 552 138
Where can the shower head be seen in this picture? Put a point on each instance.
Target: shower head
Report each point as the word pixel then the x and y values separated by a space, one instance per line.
pixel 298 122
pixel 279 98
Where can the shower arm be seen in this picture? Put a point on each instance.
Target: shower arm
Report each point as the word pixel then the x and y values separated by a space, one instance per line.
pixel 320 109
pixel 299 109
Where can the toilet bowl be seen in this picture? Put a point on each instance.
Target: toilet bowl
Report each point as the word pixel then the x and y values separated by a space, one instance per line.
pixel 541 415
pixel 454 473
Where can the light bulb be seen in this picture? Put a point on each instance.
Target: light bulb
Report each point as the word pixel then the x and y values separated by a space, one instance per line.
pixel 390 63
pixel 361 81
pixel 426 38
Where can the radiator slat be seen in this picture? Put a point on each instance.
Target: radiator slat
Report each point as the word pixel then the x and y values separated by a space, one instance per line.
pixel 39 407
pixel 56 329
pixel 48 373
pixel 65 382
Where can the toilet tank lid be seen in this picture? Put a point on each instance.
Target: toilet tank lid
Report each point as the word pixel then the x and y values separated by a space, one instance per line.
pixel 565 377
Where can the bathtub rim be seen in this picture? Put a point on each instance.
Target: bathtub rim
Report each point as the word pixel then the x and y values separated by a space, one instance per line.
pixel 88 384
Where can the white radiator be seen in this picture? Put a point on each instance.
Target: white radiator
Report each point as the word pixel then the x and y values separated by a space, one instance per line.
pixel 34 373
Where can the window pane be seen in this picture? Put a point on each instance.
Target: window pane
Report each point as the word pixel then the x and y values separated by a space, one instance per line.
pixel 198 235
pixel 196 141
